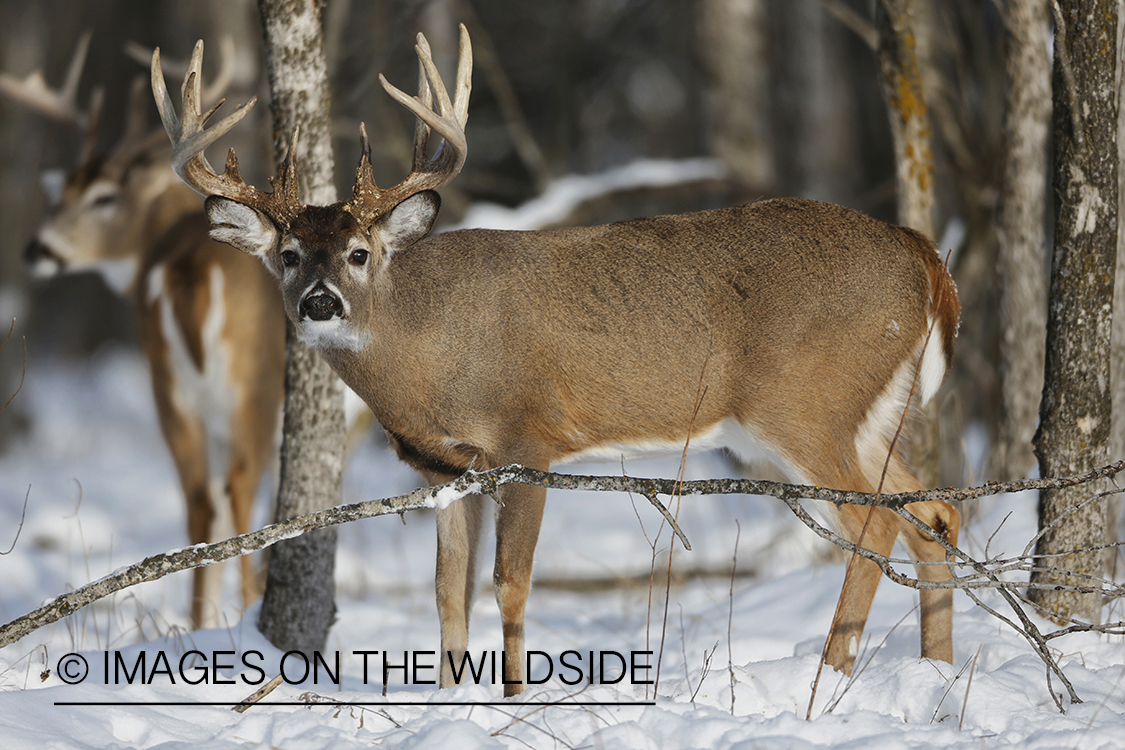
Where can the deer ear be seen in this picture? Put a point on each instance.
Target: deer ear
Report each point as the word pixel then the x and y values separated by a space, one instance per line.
pixel 241 226
pixel 409 221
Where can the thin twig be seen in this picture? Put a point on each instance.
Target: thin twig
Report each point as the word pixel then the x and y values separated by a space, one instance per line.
pixel 968 687
pixel 23 374
pixel 19 528
pixel 262 692
pixel 1062 51
pixel 730 612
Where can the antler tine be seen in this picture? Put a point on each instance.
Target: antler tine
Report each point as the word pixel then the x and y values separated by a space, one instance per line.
pixel 464 84
pixel 93 123
pixel 368 201
pixel 74 70
pixel 190 138
pixel 164 105
pixel 179 68
pixel 449 121
pixel 426 98
pixel 59 104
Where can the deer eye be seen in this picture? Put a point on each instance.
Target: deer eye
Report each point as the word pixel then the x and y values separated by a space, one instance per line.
pixel 104 199
pixel 289 258
pixel 359 256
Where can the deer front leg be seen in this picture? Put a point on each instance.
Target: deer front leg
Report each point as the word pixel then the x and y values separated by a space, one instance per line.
pixel 458 532
pixel 518 517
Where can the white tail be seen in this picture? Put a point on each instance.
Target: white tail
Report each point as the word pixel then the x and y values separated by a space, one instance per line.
pixel 805 322
pixel 209 319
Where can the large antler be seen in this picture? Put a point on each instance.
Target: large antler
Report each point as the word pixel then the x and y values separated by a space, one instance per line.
pixel 212 90
pixel 426 173
pixel 61 104
pixel 189 139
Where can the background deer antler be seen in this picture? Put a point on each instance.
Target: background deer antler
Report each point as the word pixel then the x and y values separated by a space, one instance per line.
pixel 61 104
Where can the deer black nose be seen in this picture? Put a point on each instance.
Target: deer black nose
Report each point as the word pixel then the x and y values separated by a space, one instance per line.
pixel 321 306
pixel 42 258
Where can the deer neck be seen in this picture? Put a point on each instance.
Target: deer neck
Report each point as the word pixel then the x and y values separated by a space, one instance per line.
pixel 169 205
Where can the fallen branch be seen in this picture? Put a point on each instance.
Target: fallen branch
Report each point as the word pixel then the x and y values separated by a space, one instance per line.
pixel 489 482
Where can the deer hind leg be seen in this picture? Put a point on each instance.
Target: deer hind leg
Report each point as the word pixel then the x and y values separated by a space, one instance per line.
pixel 458 536
pixel 863 575
pixel 873 529
pixel 943 518
pixel 518 518
pixel 937 604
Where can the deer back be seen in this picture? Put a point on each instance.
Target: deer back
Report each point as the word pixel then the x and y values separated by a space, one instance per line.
pixel 580 339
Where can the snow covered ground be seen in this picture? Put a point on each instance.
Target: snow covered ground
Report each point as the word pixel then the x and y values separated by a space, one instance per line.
pixel 737 662
pixel 102 495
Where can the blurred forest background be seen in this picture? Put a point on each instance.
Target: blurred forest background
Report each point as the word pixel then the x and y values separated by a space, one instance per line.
pixel 786 93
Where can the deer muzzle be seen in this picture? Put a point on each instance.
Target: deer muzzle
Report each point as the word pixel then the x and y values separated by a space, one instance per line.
pixel 321 305
pixel 41 260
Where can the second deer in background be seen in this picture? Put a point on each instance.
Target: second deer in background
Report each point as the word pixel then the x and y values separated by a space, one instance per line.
pixel 210 321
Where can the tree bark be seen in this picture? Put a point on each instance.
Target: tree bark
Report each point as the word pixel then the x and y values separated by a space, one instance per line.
pixel 1022 234
pixel 1075 416
pixel 1115 557
pixel 299 604
pixel 734 42
pixel 914 177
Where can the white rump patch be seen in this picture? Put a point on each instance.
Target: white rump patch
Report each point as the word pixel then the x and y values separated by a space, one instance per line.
pixel 208 393
pixel 884 415
pixel 932 370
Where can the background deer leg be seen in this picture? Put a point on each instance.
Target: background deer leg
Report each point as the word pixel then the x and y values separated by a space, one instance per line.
pixel 518 518
pixel 187 445
pixel 458 535
pixel 242 486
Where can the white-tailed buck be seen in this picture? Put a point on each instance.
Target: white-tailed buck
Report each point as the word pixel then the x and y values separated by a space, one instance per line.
pixel 209 319
pixel 806 324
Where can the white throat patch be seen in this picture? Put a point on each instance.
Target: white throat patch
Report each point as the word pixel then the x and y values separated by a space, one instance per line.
pixel 336 333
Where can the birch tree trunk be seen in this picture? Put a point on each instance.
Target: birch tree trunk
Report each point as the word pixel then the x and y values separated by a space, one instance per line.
pixel 914 176
pixel 1115 557
pixel 1022 234
pixel 1075 416
pixel 299 604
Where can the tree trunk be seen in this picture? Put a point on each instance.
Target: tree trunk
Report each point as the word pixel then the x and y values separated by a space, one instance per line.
pixel 813 104
pixel 914 177
pixel 1022 235
pixel 1075 416
pixel 1117 338
pixel 299 603
pixel 733 36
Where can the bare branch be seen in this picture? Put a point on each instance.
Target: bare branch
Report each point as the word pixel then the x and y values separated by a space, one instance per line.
pixel 984 574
